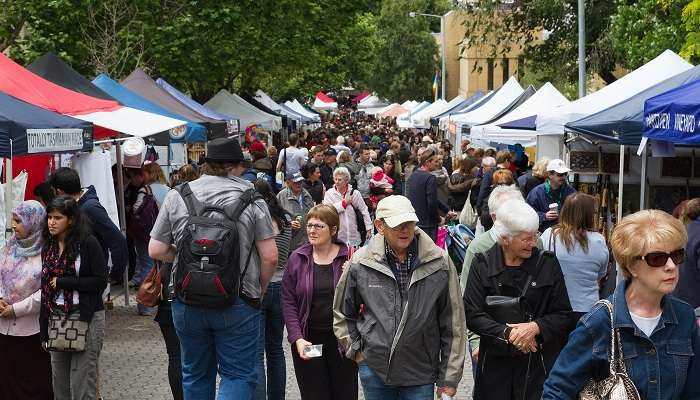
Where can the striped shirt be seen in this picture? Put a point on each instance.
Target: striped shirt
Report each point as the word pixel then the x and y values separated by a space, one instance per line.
pixel 283 241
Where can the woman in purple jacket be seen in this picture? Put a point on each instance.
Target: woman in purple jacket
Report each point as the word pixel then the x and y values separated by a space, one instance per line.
pixel 308 286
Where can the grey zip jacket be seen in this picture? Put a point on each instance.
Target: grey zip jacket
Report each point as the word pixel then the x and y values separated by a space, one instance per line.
pixel 415 341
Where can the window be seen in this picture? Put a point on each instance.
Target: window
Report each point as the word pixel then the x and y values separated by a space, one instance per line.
pixel 506 69
pixel 489 74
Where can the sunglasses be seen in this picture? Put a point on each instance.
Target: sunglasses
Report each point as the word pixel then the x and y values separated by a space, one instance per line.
pixel 659 258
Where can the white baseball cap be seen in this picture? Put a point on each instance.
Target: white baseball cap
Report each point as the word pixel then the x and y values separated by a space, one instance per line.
pixel 427 138
pixel 558 166
pixel 395 210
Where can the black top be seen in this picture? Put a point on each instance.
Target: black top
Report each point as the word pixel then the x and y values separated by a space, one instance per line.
pixel 422 191
pixel 321 313
pixel 315 189
pixel 90 283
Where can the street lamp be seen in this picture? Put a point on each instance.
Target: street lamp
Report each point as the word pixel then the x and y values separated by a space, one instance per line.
pixel 414 14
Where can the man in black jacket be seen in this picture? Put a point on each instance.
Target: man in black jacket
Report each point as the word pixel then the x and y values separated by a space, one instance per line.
pixel 329 163
pixel 67 182
pixel 422 191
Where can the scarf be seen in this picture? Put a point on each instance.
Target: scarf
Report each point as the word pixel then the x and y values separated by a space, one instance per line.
pixel 20 269
pixel 549 192
pixel 56 265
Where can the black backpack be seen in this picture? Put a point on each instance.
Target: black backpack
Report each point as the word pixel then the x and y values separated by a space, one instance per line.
pixel 208 272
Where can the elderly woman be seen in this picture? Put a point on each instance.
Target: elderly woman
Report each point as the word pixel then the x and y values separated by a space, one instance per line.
pixel 351 208
pixel 659 335
pixel 519 341
pixel 313 271
pixel 25 372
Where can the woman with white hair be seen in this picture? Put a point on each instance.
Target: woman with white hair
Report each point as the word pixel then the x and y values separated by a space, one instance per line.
pixel 353 212
pixel 516 300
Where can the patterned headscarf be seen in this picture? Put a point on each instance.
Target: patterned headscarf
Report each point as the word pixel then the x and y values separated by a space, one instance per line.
pixel 20 271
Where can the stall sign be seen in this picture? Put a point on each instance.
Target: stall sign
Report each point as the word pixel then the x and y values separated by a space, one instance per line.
pixel 54 140
pixel 232 126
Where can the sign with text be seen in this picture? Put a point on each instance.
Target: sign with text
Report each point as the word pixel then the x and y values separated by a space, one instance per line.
pixel 55 140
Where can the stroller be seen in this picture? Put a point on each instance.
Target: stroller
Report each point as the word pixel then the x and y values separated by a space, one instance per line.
pixel 456 244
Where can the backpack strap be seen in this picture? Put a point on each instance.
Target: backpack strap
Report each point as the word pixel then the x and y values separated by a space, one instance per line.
pixel 193 205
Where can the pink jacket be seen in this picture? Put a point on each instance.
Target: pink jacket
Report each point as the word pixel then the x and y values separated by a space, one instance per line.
pixel 348 232
pixel 26 321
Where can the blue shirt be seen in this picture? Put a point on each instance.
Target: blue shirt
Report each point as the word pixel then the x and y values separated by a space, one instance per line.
pixel 582 270
pixel 664 366
pixel 539 199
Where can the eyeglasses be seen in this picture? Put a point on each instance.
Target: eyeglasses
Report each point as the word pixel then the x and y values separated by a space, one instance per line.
pixel 659 258
pixel 561 175
pixel 319 227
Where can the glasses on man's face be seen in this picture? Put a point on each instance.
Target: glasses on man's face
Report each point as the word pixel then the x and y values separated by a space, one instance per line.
pixel 659 258
pixel 561 175
pixel 529 238
pixel 319 227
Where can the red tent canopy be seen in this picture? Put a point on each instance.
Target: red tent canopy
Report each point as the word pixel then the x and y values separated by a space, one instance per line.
pixel 19 82
pixel 359 97
pixel 324 98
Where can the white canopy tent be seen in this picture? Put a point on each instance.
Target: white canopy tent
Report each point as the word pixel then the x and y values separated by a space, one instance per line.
pixel 132 122
pixel 371 101
pixel 408 123
pixel 446 120
pixel 232 104
pixel 405 118
pixel 299 109
pixel 666 65
pixel 544 100
pixel 268 102
pixel 500 100
pixel 422 120
pixel 409 104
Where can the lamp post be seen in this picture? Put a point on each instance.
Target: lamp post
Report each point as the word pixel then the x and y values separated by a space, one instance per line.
pixel 581 48
pixel 442 45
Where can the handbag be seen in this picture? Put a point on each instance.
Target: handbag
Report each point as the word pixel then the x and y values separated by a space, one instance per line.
pixel 149 292
pixel 618 385
pixel 66 333
pixel 360 222
pixel 468 216
pixel 508 309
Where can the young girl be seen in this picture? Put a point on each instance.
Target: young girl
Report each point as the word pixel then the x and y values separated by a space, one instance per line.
pixel 73 277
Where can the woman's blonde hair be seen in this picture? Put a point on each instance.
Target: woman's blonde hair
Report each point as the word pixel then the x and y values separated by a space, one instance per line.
pixel 539 170
pixel 328 215
pixel 155 172
pixel 636 232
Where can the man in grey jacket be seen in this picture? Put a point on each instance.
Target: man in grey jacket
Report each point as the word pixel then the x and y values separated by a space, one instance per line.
pixel 398 311
pixel 297 201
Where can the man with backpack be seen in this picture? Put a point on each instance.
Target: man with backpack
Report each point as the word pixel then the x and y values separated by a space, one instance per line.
pixel 218 232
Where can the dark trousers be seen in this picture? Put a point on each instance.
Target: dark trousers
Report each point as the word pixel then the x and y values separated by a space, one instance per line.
pixel 25 370
pixel 271 383
pixel 172 346
pixel 331 376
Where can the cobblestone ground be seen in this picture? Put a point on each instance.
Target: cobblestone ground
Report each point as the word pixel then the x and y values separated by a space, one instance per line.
pixel 133 364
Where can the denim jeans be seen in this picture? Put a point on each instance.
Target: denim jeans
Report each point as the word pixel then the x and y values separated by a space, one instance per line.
pixel 375 389
pixel 144 264
pixel 270 346
pixel 224 339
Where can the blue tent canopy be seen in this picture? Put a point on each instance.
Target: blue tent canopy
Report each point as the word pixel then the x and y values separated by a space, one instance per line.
pixel 623 123
pixel 233 122
pixel 465 103
pixel 194 132
pixel 527 123
pixel 34 130
pixel 673 116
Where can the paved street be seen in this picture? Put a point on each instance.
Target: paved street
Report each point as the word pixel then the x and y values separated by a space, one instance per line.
pixel 133 364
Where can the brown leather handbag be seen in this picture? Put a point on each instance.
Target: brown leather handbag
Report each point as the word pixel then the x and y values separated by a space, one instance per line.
pixel 149 293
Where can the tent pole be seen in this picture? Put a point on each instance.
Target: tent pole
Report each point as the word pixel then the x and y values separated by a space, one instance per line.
pixel 122 212
pixel 8 194
pixel 643 177
pixel 620 183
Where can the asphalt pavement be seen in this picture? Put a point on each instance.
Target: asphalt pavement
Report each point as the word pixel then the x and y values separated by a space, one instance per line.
pixel 134 364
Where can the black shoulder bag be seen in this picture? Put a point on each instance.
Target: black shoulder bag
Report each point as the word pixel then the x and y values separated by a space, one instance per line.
pixel 508 309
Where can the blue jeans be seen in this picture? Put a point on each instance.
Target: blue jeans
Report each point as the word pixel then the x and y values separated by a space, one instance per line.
pixel 224 339
pixel 375 389
pixel 144 264
pixel 270 345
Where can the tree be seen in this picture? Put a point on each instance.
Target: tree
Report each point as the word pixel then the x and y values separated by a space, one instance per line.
pixel 547 31
pixel 407 55
pixel 641 30
pixel 691 24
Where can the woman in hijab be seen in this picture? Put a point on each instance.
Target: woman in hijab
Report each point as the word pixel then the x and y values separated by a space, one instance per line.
pixel 25 372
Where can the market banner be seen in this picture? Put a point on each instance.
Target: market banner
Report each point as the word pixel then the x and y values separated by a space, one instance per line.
pixel 674 116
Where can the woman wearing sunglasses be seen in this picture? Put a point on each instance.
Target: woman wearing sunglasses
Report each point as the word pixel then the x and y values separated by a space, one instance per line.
pixel 313 271
pixel 660 339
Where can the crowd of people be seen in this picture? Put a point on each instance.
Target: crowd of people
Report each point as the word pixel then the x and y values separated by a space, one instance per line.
pixel 335 238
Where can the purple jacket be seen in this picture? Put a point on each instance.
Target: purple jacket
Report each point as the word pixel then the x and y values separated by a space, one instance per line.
pixel 298 287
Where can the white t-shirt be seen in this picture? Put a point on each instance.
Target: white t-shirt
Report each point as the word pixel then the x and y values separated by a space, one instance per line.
pixel 646 325
pixel 76 298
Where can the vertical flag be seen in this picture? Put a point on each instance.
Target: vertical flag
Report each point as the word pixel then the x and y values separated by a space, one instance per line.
pixel 436 83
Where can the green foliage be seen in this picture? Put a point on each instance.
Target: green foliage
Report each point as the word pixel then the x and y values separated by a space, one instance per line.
pixel 691 24
pixel 641 30
pixel 407 55
pixel 286 47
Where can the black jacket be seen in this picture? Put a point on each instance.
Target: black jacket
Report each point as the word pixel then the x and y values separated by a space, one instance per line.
pixel 108 235
pixel 421 189
pixel 90 283
pixel 499 373
pixel 327 175
pixel 688 288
